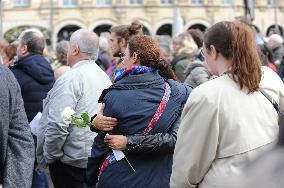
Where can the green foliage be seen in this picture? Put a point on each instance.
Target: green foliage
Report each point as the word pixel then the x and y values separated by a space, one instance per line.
pixel 12 34
pixel 82 121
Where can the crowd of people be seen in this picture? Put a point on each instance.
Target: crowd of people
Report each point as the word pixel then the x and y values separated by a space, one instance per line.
pixel 197 110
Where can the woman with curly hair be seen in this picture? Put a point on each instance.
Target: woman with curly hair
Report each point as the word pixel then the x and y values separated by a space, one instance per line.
pixel 145 101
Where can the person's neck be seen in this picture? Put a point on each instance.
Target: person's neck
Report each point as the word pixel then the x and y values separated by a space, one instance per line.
pixel 223 67
pixel 79 59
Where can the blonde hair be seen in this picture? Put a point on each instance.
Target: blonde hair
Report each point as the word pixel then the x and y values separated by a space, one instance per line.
pixel 187 43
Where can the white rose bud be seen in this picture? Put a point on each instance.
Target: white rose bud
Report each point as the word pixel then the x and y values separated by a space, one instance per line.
pixel 67 113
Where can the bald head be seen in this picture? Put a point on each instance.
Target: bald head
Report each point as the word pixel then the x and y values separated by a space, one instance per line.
pixel 87 42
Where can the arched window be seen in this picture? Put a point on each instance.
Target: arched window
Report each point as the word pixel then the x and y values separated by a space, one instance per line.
pixel 66 32
pixel 146 30
pixel 165 29
pixel 102 28
pixel 201 27
pixel 274 30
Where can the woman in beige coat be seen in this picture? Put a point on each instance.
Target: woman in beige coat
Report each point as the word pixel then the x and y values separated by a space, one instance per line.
pixel 226 122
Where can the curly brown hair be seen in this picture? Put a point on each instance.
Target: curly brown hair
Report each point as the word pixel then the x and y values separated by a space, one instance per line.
pixel 148 52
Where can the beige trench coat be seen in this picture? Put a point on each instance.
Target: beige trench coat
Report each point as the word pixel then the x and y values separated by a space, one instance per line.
pixel 223 129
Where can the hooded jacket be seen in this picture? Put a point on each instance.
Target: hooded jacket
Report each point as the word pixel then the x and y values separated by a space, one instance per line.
pixel 36 78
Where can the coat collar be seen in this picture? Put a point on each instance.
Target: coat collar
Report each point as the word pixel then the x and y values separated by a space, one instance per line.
pixel 83 62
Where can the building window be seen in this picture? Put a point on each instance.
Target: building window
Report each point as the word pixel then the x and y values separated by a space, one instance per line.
pixel 70 3
pixel 104 2
pixel 227 2
pixel 271 2
pixel 166 2
pixel 136 2
pixel 22 3
pixel 197 2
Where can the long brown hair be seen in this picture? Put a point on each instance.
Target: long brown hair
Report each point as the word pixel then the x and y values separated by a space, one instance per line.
pixel 148 52
pixel 236 42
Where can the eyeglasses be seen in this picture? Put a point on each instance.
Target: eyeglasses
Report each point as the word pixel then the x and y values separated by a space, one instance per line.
pixel 121 56
pixel 202 53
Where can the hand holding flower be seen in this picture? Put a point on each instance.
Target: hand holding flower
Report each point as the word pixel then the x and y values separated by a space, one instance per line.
pixel 81 121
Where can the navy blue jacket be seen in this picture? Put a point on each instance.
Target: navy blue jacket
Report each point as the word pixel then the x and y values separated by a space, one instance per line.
pixel 133 101
pixel 36 78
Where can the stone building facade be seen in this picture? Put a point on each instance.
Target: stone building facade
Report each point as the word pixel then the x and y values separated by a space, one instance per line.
pixel 62 17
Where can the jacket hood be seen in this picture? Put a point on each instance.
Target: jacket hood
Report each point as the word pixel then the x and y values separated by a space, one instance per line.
pixel 193 65
pixel 37 67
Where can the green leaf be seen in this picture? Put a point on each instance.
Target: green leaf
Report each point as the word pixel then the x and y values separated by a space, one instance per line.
pixel 79 123
pixel 85 117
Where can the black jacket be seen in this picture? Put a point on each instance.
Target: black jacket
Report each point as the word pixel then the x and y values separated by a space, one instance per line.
pixel 36 78
pixel 153 143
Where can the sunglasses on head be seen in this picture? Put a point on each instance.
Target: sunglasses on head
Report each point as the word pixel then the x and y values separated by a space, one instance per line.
pixel 121 56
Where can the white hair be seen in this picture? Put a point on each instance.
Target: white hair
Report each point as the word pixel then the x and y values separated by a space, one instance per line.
pixel 103 44
pixel 86 43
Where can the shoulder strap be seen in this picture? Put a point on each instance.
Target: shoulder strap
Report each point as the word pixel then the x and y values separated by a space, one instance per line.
pixel 160 110
pixel 273 102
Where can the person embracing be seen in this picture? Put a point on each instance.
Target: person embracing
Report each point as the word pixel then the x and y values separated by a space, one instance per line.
pixel 145 101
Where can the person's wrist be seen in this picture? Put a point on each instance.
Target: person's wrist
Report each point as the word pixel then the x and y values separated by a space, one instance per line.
pixel 93 117
pixel 94 127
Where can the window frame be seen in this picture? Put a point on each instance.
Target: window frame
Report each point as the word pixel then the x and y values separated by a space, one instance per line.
pixel 167 4
pixel 69 5
pixel 226 3
pixel 136 4
pixel 271 5
pixel 197 2
pixel 104 4
pixel 20 5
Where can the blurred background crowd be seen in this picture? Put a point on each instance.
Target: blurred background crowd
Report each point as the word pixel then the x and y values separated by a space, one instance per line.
pixel 177 26
pixel 33 33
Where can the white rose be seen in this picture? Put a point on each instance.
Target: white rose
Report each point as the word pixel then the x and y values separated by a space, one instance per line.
pixel 67 113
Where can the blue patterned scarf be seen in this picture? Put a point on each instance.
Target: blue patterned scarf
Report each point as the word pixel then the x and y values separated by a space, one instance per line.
pixel 121 73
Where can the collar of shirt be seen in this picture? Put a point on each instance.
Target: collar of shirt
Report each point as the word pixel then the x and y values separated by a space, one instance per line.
pixel 83 62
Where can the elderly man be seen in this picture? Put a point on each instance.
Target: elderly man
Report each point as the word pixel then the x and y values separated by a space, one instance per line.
pixel 36 78
pixel 16 142
pixel 61 145
pixel 32 71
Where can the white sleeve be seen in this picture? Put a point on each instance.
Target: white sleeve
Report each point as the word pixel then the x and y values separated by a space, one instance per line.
pixel 65 93
pixel 197 142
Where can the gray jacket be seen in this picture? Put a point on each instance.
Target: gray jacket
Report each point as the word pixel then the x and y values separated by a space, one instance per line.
pixel 196 74
pixel 80 89
pixel 17 146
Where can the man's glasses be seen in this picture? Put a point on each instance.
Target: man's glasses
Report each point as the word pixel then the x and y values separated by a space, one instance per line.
pixel 121 56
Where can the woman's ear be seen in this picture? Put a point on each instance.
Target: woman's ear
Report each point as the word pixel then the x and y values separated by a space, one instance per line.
pixel 213 52
pixel 135 59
